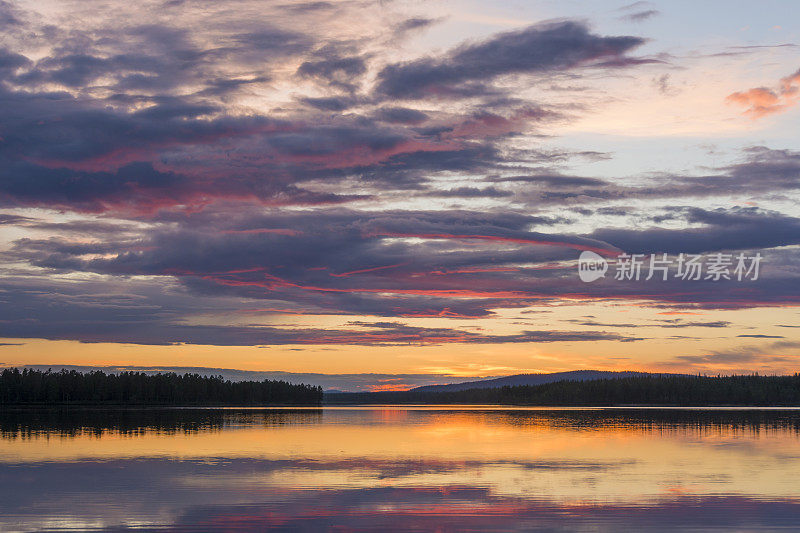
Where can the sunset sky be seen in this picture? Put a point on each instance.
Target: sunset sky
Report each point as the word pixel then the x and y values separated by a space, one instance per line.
pixel 397 188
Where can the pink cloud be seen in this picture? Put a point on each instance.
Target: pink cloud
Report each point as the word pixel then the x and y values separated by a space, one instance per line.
pixel 762 101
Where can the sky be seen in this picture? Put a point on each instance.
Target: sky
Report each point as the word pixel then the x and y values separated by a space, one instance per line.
pixel 400 189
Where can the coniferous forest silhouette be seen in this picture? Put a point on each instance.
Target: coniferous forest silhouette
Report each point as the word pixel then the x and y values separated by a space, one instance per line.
pixel 28 386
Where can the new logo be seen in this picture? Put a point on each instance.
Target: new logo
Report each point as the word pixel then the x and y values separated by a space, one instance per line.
pixel 591 266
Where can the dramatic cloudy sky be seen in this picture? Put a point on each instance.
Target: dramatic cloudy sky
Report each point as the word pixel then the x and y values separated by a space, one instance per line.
pixel 397 187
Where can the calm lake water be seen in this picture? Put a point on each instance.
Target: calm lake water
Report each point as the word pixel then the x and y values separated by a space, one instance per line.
pixel 400 469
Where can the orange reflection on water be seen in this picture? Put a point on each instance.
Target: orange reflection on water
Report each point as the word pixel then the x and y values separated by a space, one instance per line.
pixel 567 455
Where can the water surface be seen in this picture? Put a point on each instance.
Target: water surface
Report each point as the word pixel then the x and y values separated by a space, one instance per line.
pixel 424 468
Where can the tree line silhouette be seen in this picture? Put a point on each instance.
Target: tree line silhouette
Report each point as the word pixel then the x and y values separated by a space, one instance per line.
pixel 653 389
pixel 30 386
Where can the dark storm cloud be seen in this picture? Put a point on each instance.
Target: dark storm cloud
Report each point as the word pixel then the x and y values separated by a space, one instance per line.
pixel 73 150
pixel 62 152
pixel 722 229
pixel 401 115
pixel 32 185
pixel 557 181
pixel 9 15
pixel 340 241
pixel 144 148
pixel 541 48
pixel 136 152
pixel 154 59
pixel 330 103
pixel 12 220
pixel 614 211
pixel 135 187
pixel 335 70
pixel 333 140
pixel 62 148
pixel 10 62
pixel 167 334
pixel 402 263
pixel 86 227
pixel 224 88
pixel 75 311
pixel 59 128
pixel 766 170
pixel 338 261
pixel 762 171
pixel 275 41
pixel 414 23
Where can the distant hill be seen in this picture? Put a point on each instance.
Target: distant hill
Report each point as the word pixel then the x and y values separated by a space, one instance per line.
pixel 531 379
pixel 617 390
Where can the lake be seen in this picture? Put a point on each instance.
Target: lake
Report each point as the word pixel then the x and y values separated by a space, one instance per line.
pixel 401 468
